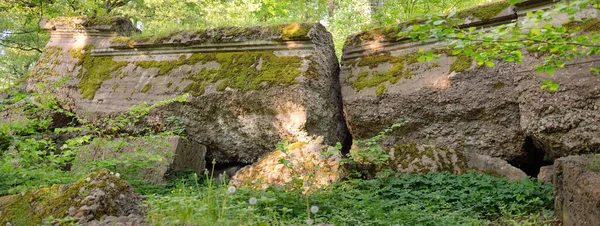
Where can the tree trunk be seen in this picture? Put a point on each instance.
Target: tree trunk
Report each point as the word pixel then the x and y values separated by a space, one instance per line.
pixel 331 8
pixel 376 6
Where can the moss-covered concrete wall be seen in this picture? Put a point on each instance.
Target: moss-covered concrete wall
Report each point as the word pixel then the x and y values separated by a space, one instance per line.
pixel 454 103
pixel 250 87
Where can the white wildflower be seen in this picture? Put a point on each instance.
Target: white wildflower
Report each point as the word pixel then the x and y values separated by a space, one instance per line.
pixel 118 175
pixel 314 209
pixel 252 201
pixel 88 179
pixel 112 173
pixel 231 189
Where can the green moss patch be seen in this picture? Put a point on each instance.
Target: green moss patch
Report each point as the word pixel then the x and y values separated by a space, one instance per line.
pixel 381 89
pixel 294 31
pixel 240 70
pixel 408 155
pixel 498 85
pixel 146 88
pixel 312 72
pixel 30 208
pixel 165 67
pixel 94 71
pixel 462 63
pixel 586 25
pixel 47 62
pixel 286 32
pixel 484 12
pixel 115 87
pixel 396 72
pixel 386 33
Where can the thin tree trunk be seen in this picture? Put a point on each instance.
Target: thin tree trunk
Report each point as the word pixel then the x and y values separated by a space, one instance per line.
pixel 376 6
pixel 331 8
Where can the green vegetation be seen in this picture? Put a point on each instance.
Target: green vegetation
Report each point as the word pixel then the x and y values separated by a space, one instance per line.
pixel 381 89
pixel 462 63
pixel 245 71
pixel 38 151
pixel 241 71
pixel 31 157
pixel 396 72
pixel 409 199
pixel 95 70
pixel 56 200
pixel 165 67
pixel 389 198
pixel 115 87
pixel 485 12
pixel 285 32
pixel 294 31
pixel 498 85
pixel 146 88
pixel 559 43
pixel 397 69
pixel 585 25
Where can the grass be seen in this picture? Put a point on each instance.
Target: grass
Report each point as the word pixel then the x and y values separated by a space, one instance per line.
pixel 390 199
pixel 403 199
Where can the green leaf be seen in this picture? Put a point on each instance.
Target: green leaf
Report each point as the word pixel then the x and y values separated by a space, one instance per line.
pixel 416 27
pixel 530 14
pixel 438 22
pixel 489 63
pixel 451 14
pixel 457 51
pixel 550 70
pixel 480 62
pixel 534 31
pixel 539 69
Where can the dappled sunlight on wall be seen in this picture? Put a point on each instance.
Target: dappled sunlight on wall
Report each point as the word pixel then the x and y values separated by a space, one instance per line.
pixel 442 82
pixel 291 119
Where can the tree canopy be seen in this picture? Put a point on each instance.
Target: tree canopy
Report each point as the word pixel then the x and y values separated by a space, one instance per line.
pixel 22 40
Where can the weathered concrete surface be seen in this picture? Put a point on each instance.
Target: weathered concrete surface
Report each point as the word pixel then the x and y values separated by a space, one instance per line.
pixel 452 102
pixel 164 157
pixel 577 191
pixel 546 174
pixel 414 158
pixel 99 195
pixel 565 122
pixel 251 87
pixel 493 166
pixel 307 161
pixel 475 110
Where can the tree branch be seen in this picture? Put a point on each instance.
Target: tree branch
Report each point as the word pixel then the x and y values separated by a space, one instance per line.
pixel 20 46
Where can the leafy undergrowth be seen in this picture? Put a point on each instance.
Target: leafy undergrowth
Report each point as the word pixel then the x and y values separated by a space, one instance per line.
pixel 405 199
pixel 31 157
